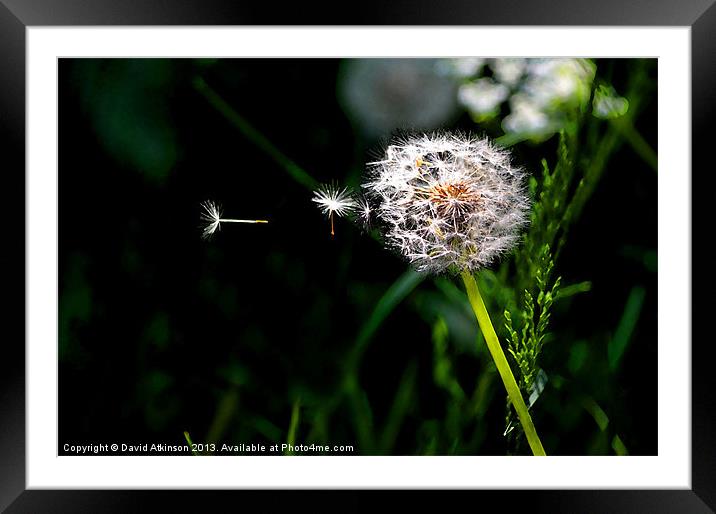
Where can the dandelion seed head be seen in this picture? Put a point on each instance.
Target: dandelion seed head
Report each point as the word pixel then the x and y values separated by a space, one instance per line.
pixel 448 202
pixel 383 95
pixel 333 200
pixel 211 216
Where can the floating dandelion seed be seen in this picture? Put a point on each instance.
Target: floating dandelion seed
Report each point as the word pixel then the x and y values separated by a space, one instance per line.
pixel 364 210
pixel 212 217
pixel 333 200
pixel 449 202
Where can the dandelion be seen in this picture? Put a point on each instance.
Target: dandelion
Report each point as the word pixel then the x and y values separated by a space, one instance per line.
pixel 213 220
pixel 449 202
pixel 334 201
pixel 454 203
pixel 382 95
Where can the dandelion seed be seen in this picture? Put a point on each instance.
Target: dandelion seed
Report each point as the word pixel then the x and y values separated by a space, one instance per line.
pixel 334 201
pixel 448 202
pixel 364 210
pixel 212 217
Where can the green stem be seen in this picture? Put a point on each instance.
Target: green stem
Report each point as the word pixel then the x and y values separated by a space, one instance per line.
pixel 508 379
pixel 293 425
pixel 636 140
pixel 257 138
pixel 188 440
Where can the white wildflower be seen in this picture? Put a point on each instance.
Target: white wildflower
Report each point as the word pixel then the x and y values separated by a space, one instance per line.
pixel 463 67
pixel 508 71
pixel 526 117
pixel 541 92
pixel 607 104
pixel 448 202
pixel 483 97
pixel 334 201
pixel 551 82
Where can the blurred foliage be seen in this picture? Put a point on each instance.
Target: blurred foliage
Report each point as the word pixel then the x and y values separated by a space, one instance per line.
pixel 128 103
pixel 278 333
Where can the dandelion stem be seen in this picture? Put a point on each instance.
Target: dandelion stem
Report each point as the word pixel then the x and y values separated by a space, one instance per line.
pixel 332 231
pixel 503 367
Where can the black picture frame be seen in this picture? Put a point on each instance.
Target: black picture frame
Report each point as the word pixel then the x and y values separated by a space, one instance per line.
pixel 17 15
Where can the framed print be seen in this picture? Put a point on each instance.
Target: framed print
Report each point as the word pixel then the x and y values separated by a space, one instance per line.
pixel 396 255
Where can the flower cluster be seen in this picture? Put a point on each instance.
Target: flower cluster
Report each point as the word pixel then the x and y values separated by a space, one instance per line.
pixel 539 91
pixel 448 202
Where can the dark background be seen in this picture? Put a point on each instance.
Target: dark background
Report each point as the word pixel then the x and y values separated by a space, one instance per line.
pixel 162 332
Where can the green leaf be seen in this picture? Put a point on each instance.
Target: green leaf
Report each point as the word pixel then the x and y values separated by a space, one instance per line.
pixel 618 344
pixel 401 404
pixel 397 292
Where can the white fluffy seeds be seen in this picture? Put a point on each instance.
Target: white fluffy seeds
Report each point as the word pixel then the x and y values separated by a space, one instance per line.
pixel 333 200
pixel 448 202
pixel 211 216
